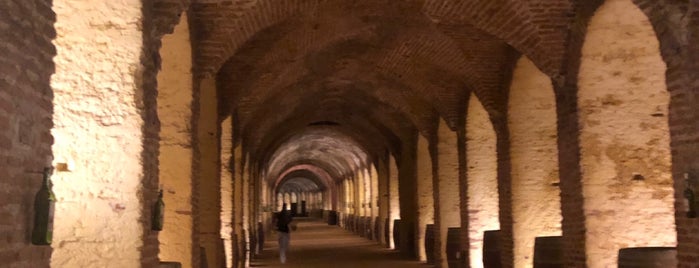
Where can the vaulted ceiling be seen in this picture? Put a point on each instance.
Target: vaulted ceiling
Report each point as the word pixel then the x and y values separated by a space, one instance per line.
pixel 335 84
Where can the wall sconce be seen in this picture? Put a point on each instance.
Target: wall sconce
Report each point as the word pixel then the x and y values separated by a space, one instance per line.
pixel 690 183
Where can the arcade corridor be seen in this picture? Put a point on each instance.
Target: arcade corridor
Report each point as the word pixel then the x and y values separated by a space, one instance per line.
pixel 467 133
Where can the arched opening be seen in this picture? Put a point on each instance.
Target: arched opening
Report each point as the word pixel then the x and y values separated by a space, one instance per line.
pixel 481 173
pixel 536 204
pixel 175 157
pixel 446 185
pixel 425 195
pixel 624 136
pixel 226 216
pixel 394 199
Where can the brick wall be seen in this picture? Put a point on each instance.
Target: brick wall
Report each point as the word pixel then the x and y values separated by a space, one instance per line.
pixel 424 195
pixel 175 158
pixel 481 172
pixel 26 31
pixel 446 190
pixel 534 159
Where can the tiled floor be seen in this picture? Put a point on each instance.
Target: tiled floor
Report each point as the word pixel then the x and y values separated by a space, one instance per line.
pixel 315 244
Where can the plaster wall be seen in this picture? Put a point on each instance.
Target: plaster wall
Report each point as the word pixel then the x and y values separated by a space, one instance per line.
pixel 482 179
pixel 447 209
pixel 534 160
pixel 624 136
pixel 175 114
pixel 394 198
pixel 227 224
pixel 425 195
pixel 101 218
pixel 209 190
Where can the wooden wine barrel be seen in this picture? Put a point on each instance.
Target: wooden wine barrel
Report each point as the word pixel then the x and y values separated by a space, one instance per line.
pixel 366 221
pixel 368 229
pixel 387 232
pixel 353 223
pixel 453 247
pixel 429 243
pixel 260 237
pixel 253 241
pixel 332 217
pixel 396 233
pixel 360 226
pixel 548 252
pixel 203 262
pixel 170 264
pixel 235 249
pixel 648 257
pixel 377 228
pixel 491 249
pixel 294 209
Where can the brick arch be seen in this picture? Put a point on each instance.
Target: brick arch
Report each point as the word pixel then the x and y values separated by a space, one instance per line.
pixel 354 106
pixel 319 172
pixel 316 176
pixel 637 108
pixel 357 132
pixel 665 17
pixel 494 59
pixel 340 154
pixel 275 141
pixel 252 17
pixel 391 99
pixel 527 25
pixel 442 54
pixel 531 23
pixel 369 138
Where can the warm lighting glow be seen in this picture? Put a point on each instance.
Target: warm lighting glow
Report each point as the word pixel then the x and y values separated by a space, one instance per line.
pixel 482 175
pixel 447 187
pixel 99 127
pixel 425 194
pixel 226 149
pixel 209 182
pixel 536 204
pixel 394 205
pixel 374 179
pixel 623 108
pixel 174 112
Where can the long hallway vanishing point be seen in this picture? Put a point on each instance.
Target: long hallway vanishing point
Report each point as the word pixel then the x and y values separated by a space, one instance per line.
pixel 445 133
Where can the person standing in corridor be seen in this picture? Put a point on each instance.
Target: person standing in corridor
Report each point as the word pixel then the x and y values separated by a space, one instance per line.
pixel 283 219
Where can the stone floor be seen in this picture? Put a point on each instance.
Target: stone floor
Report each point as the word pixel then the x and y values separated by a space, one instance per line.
pixel 315 244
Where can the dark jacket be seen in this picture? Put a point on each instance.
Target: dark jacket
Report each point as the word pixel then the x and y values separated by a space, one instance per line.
pixel 283 220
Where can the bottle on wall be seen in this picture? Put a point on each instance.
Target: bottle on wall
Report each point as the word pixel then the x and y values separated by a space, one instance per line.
pixel 44 204
pixel 690 198
pixel 158 213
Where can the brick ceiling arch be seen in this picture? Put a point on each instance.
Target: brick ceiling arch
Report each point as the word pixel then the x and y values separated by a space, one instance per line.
pixel 339 155
pixel 377 124
pixel 318 174
pixel 417 58
pixel 370 140
pixel 534 28
pixel 295 183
